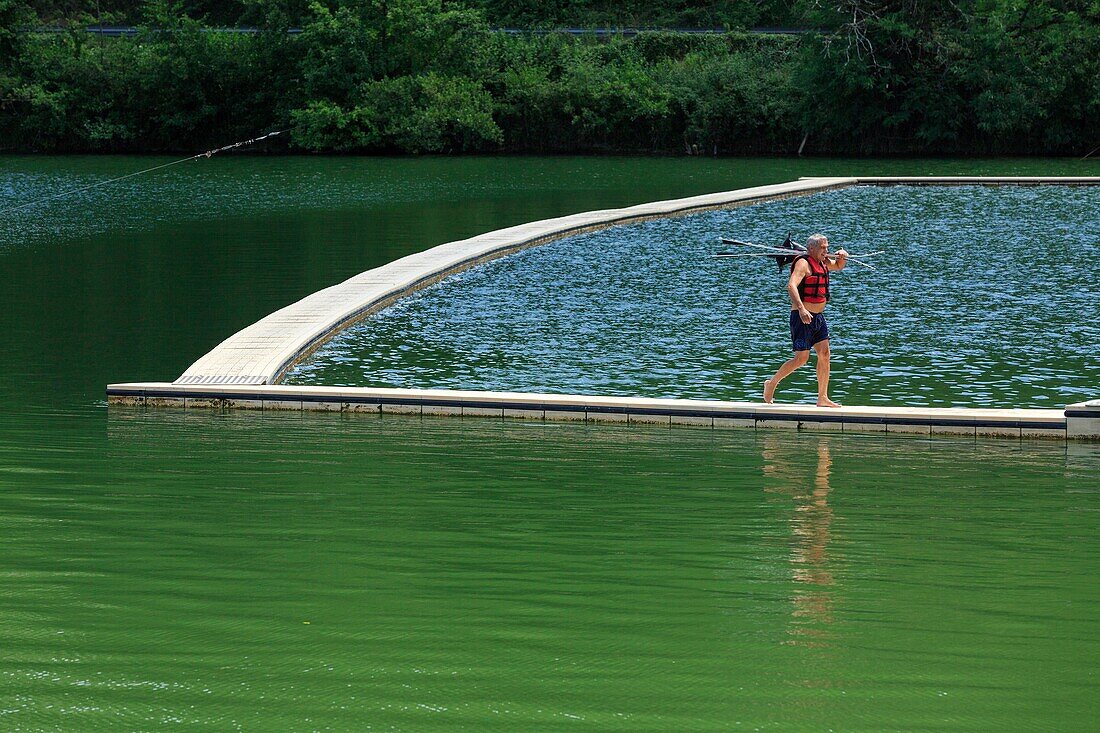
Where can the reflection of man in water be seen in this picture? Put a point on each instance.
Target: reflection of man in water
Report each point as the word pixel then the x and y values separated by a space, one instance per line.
pixel 808 287
pixel 810 530
pixel 810 526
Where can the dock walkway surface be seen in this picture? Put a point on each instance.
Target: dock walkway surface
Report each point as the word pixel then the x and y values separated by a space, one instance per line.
pixel 1013 423
pixel 246 368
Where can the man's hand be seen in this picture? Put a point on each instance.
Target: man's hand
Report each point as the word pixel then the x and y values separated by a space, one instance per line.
pixel 839 260
pixel 805 315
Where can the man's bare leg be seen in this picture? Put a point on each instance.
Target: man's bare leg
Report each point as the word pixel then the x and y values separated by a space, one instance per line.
pixel 822 349
pixel 799 358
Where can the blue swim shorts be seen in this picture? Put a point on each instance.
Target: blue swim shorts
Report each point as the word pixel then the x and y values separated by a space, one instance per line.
pixel 805 335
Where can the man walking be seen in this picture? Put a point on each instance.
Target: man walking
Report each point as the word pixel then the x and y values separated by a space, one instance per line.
pixel 808 287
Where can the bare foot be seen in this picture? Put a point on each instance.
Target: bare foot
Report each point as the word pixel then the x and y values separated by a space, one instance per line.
pixel 826 402
pixel 769 391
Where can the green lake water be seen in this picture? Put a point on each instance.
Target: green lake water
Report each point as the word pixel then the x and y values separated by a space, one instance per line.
pixel 171 570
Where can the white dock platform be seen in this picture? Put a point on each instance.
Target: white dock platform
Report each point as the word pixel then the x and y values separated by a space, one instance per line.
pixel 1076 421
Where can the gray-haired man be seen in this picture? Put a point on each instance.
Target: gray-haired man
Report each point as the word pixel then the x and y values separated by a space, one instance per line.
pixel 808 287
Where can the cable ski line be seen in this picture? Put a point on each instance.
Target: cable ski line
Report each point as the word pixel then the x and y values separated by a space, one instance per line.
pixel 788 251
pixel 782 250
pixel 207 154
pixel 241 144
pixel 725 255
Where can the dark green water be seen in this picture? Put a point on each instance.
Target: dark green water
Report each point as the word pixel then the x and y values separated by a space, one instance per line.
pixel 158 568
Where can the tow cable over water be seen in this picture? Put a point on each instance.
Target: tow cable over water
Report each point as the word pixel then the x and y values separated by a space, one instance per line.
pixel 109 181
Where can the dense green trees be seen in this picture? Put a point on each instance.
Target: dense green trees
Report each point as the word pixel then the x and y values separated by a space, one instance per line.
pixel 499 13
pixel 973 76
pixel 872 77
pixel 405 75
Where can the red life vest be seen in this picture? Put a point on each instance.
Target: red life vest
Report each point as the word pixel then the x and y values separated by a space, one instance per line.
pixel 814 288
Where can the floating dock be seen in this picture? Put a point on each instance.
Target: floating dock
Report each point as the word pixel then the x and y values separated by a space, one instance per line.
pixel 1076 421
pixel 244 371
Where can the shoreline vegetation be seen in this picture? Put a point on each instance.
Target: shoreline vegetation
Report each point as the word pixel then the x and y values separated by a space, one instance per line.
pixel 883 77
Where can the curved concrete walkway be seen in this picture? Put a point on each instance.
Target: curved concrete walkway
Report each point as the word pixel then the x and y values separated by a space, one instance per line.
pixel 265 351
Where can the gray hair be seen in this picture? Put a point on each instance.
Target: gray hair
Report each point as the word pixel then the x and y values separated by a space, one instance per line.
pixel 816 240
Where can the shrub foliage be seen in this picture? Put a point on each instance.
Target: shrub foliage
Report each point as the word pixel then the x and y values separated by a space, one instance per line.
pixel 438 76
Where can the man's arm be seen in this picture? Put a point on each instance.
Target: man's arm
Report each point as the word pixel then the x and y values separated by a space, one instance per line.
pixel 798 272
pixel 840 262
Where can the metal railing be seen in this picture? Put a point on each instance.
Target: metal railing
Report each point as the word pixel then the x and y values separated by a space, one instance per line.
pixel 115 31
